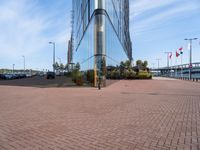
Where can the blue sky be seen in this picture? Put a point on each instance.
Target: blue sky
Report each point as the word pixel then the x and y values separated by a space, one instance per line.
pixel 26 27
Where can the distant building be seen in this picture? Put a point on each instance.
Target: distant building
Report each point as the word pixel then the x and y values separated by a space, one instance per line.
pixel 101 34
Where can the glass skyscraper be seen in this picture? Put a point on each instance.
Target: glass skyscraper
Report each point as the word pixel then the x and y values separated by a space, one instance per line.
pixel 100 34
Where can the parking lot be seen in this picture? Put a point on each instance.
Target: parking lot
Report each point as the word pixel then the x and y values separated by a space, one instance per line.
pixel 145 115
pixel 40 81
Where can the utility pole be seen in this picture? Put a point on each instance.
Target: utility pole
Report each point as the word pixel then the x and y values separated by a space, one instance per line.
pixel 190 63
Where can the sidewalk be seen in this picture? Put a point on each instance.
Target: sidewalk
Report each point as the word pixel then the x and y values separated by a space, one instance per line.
pixel 127 115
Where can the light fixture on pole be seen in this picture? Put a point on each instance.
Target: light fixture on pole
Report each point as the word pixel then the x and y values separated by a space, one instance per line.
pixel 54 47
pixel 190 63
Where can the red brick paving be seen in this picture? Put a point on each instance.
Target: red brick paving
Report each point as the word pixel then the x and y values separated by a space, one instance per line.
pixel 132 115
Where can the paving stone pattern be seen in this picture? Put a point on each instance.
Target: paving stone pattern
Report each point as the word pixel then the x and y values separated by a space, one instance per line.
pixel 127 115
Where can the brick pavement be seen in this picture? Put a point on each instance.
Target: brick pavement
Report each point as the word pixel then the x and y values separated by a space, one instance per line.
pixel 128 115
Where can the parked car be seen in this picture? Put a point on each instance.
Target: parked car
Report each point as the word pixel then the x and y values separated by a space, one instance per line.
pixel 22 76
pixel 2 77
pixel 15 76
pixel 50 75
pixel 28 75
pixel 8 76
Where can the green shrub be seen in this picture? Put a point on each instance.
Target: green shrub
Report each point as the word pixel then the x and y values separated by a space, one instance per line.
pixel 79 79
pixel 74 74
pixel 115 74
pixel 125 74
pixel 144 75
pixel 132 74
pixel 90 76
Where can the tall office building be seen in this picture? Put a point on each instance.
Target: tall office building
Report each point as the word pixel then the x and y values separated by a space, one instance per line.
pixel 100 34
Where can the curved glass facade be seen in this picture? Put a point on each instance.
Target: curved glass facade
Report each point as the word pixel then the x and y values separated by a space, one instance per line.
pixel 101 34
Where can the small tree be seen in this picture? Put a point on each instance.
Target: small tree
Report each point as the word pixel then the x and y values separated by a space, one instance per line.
pixel 139 63
pixel 62 67
pixel 145 64
pixel 78 67
pixel 56 66
pixel 66 68
pixel 128 64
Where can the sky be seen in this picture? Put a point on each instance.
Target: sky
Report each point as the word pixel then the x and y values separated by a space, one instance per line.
pixel 156 26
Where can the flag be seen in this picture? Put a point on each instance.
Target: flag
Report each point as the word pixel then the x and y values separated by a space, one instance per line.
pixel 181 50
pixel 170 55
pixel 177 54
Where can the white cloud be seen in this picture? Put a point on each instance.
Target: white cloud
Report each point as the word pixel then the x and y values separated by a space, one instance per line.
pixel 149 21
pixel 25 29
pixel 139 7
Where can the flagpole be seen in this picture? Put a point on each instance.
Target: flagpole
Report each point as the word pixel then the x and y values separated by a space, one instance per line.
pixel 181 65
pixel 168 69
pixel 176 68
pixel 171 68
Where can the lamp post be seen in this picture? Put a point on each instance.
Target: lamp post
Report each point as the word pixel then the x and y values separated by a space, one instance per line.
pixel 190 63
pixel 54 47
pixel 24 63
pixel 13 68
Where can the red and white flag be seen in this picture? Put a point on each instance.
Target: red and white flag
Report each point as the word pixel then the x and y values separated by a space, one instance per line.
pixel 181 50
pixel 177 54
pixel 170 55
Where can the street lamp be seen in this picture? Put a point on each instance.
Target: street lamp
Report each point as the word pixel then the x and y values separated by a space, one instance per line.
pixel 13 68
pixel 54 47
pixel 190 66
pixel 24 63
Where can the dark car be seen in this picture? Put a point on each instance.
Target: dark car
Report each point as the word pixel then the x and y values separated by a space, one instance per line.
pixel 2 77
pixel 21 76
pixel 8 76
pixel 50 75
